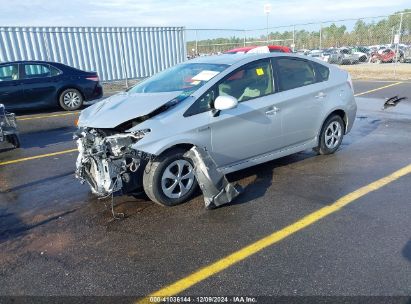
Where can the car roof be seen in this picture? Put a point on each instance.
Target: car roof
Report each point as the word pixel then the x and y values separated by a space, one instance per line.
pixel 30 61
pixel 246 49
pixel 230 59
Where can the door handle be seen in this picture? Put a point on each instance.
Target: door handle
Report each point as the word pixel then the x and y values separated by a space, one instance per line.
pixel 272 111
pixel 202 129
pixel 320 95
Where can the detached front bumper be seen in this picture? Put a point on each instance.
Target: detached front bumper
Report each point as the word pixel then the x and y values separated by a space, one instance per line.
pixel 108 163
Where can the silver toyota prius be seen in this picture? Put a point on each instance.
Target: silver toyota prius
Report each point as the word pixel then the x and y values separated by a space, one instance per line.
pixel 242 109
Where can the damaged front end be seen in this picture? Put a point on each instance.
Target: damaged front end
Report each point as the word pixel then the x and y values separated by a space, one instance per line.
pixel 108 162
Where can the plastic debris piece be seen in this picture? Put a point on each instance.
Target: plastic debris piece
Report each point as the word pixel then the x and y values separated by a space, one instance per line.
pixel 216 189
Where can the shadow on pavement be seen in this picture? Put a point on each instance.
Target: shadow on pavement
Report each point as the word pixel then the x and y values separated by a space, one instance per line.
pixel 12 226
pixel 40 181
pixel 406 251
pixel 45 138
pixel 264 177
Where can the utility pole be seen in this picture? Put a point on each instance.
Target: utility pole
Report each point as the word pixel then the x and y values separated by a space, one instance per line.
pixel 321 29
pixel 397 42
pixel 293 46
pixel 267 11
pixel 196 45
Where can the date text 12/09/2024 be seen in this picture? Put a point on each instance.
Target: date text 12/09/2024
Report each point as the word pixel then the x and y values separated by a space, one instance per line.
pixel 198 299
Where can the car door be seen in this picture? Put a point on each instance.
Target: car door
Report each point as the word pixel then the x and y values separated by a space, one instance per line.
pixel 11 92
pixel 40 84
pixel 252 128
pixel 300 99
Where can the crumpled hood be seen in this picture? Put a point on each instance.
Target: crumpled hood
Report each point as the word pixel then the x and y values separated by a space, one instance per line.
pixel 122 107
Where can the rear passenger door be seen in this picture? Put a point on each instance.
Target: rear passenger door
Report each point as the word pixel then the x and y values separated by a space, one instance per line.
pixel 302 94
pixel 40 84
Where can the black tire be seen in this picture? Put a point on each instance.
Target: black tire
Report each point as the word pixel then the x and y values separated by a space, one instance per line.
pixel 153 178
pixel 323 148
pixel 14 140
pixel 71 105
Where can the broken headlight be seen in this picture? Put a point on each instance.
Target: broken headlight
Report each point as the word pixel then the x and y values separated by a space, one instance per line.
pixel 107 158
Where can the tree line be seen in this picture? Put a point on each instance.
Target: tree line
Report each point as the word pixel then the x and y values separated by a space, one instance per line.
pixel 334 35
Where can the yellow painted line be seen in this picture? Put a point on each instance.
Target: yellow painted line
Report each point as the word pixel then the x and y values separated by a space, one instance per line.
pixel 36 157
pixel 380 88
pixel 47 116
pixel 228 261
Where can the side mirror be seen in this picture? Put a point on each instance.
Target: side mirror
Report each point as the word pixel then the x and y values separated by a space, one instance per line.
pixel 225 102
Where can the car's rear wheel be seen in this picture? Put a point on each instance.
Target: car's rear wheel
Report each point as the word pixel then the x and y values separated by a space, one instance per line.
pixel 14 140
pixel 169 179
pixel 71 99
pixel 331 135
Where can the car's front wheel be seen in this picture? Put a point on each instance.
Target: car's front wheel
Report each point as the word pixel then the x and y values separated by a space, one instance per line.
pixel 331 135
pixel 71 99
pixel 169 179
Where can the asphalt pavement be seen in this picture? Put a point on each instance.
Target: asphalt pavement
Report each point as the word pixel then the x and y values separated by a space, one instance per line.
pixel 56 238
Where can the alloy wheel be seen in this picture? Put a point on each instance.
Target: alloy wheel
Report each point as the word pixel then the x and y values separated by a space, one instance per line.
pixel 71 99
pixel 177 179
pixel 333 134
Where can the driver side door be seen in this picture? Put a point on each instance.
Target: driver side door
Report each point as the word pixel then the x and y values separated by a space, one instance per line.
pixel 252 128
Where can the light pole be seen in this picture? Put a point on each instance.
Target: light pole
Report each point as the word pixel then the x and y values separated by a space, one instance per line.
pixel 267 11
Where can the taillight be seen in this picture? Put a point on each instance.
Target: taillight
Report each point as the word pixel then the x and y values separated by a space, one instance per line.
pixel 93 78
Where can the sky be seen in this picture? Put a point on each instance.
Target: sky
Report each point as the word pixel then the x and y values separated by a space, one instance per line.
pixel 237 14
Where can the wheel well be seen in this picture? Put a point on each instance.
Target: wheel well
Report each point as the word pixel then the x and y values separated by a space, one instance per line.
pixel 185 147
pixel 66 88
pixel 343 116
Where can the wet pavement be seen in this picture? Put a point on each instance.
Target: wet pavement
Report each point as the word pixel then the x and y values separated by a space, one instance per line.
pixel 58 239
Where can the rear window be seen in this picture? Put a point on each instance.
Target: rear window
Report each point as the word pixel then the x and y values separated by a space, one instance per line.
pixel 323 72
pixel 295 73
pixel 36 71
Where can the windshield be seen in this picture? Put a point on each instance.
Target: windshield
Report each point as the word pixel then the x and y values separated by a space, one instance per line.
pixel 186 77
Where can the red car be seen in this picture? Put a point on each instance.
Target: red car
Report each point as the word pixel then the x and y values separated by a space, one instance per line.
pixel 271 49
pixel 387 55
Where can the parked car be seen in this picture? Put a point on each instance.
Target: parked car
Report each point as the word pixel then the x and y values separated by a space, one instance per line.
pixel 320 54
pixel 362 52
pixel 343 56
pixel 35 84
pixel 407 54
pixel 303 52
pixel 268 49
pixel 233 106
pixel 387 55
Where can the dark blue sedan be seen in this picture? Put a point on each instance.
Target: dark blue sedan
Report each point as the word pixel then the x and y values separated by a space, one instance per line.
pixel 38 84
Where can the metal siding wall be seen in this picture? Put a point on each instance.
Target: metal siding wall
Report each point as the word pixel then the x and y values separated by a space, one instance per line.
pixel 114 52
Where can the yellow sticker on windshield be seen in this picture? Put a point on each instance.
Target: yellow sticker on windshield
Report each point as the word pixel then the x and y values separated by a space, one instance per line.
pixel 259 71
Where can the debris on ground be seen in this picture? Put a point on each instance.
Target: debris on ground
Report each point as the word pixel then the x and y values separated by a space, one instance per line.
pixel 392 101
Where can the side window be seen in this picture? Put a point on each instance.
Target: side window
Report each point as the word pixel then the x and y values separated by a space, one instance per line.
pixel 323 71
pixel 54 71
pixel 203 104
pixel 294 73
pixel 9 72
pixel 251 81
pixel 36 71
